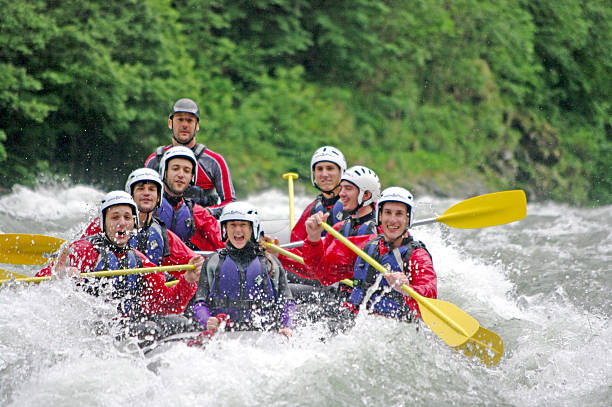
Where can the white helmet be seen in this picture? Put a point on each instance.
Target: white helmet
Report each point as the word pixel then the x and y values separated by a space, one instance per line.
pixel 117 198
pixel 181 152
pixel 144 175
pixel 327 153
pixel 396 194
pixel 240 211
pixel 365 180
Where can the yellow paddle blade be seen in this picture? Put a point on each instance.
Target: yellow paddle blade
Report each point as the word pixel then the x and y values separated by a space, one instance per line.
pixel 449 322
pixel 24 248
pixel 482 211
pixel 112 273
pixel 484 344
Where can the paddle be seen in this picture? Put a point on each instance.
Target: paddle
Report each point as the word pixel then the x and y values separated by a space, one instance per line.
pixel 482 211
pixel 290 176
pixel 24 248
pixel 111 273
pixel 453 325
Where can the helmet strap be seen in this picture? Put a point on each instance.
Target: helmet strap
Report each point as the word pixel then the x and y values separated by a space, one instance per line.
pixel 329 192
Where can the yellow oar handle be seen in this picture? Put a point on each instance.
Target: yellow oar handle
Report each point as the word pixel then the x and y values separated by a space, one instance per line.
pixel 112 273
pixel 290 176
pixel 409 290
pixel 297 258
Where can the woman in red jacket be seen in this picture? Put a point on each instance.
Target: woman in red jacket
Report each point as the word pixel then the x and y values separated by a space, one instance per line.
pixel 407 259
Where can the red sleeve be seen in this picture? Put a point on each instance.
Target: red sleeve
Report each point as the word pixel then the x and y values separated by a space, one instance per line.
pixel 294 266
pixel 92 229
pixel 160 299
pixel 180 253
pixel 81 254
pixel 226 180
pixel 423 277
pixel 329 260
pixel 149 159
pixel 207 235
pixel 299 229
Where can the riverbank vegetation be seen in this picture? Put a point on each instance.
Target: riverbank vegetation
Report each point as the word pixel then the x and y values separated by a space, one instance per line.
pixel 449 97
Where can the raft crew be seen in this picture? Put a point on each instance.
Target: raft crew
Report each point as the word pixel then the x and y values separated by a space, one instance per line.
pixel 241 284
pixel 214 188
pixel 327 166
pixel 138 294
pixel 153 238
pixel 408 259
pixel 196 227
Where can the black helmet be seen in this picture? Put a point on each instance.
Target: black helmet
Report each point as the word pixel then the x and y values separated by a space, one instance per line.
pixel 187 106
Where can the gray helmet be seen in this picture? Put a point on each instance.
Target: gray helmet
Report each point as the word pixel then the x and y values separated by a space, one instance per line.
pixel 187 106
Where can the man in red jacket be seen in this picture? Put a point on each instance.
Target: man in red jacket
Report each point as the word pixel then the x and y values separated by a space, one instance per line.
pixel 195 225
pixel 326 167
pixel 408 260
pixel 138 294
pixel 214 188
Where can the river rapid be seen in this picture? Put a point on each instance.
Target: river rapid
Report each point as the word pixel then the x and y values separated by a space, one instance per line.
pixel 543 284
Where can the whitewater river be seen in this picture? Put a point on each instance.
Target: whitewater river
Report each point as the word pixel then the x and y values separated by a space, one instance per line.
pixel 543 284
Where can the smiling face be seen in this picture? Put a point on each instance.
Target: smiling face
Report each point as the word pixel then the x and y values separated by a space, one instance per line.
pixel 145 195
pixel 348 195
pixel 184 127
pixel 119 224
pixel 327 175
pixel 393 220
pixel 239 232
pixel 178 175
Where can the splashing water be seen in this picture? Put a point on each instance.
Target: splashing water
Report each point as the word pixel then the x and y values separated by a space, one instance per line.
pixel 542 284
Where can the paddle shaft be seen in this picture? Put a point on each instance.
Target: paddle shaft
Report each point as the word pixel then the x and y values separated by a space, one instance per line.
pixel 290 176
pixel 112 273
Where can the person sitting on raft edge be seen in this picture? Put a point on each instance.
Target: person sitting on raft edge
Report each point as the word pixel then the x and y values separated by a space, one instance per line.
pixel 407 259
pixel 242 284
pixel 139 295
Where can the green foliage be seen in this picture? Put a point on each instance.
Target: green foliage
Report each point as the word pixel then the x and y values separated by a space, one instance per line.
pixel 425 93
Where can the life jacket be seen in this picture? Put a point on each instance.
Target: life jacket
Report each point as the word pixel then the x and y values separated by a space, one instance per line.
pixel 243 294
pixel 152 240
pixel 384 300
pixel 180 221
pixel 336 214
pixel 199 195
pixel 126 288
pixel 366 227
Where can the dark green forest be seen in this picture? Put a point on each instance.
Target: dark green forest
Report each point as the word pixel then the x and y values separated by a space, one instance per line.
pixel 449 97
